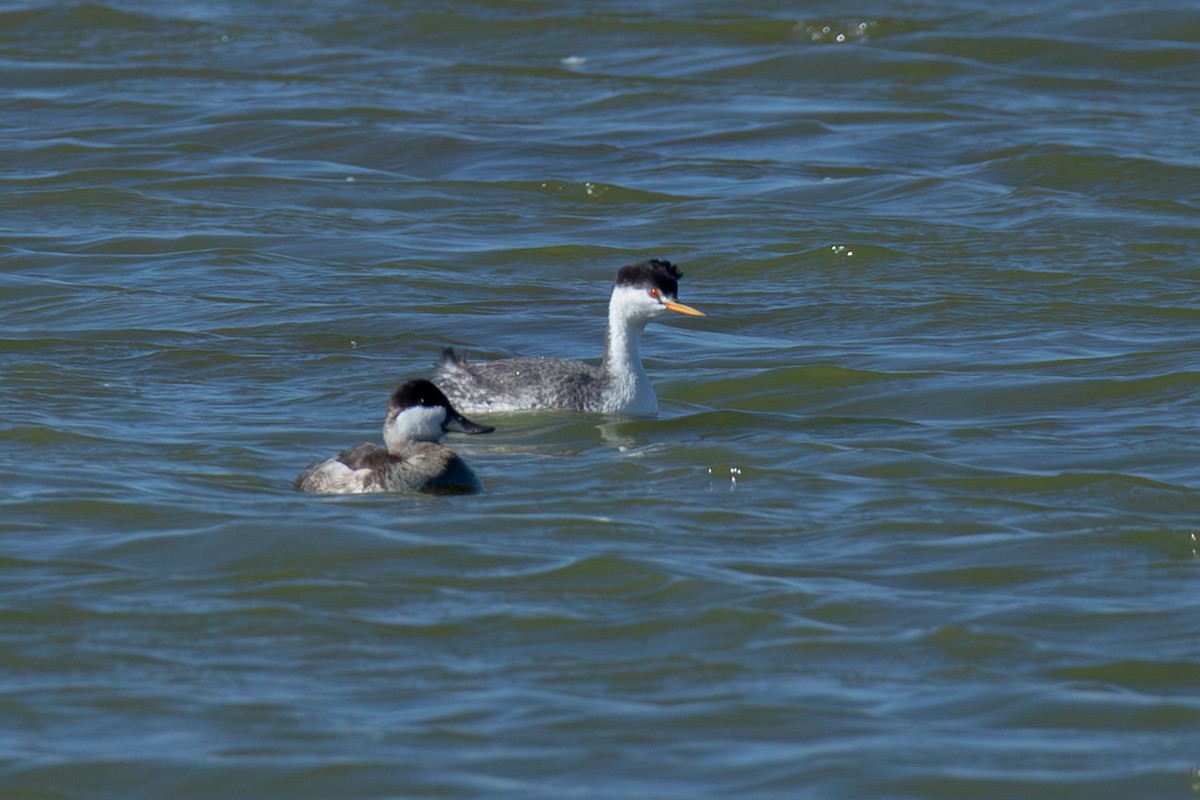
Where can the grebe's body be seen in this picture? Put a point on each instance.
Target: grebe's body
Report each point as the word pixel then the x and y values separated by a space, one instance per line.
pixel 618 385
pixel 413 461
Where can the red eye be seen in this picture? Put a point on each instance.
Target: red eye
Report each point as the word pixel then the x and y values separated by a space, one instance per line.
pixel 653 293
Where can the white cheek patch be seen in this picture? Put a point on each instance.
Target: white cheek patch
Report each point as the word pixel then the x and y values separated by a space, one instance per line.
pixel 631 303
pixel 418 422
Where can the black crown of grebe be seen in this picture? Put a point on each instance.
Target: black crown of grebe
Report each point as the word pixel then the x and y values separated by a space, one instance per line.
pixel 413 461
pixel 618 385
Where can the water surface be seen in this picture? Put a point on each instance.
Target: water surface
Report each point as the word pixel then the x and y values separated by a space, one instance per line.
pixel 917 517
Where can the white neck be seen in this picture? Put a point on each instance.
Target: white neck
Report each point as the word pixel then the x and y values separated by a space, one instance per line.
pixel 629 388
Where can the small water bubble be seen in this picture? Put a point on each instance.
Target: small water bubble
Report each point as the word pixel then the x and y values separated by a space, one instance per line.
pixel 224 38
pixel 573 62
pixel 353 344
pixel 734 472
pixel 841 37
pixel 349 179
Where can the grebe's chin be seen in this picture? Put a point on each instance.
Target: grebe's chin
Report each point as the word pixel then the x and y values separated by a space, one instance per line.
pixel 619 384
pixel 413 461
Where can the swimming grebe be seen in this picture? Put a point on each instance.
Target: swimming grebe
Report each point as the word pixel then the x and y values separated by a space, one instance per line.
pixel 413 461
pixel 618 385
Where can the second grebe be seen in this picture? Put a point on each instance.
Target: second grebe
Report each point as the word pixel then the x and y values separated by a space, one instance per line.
pixel 618 385
pixel 413 461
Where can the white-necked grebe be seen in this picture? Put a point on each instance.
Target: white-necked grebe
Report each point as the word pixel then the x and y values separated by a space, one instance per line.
pixel 413 461
pixel 618 385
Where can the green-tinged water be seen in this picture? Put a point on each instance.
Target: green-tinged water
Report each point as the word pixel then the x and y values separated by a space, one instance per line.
pixel 917 518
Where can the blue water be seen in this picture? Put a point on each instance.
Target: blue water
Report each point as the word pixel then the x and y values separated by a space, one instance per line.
pixel 917 518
